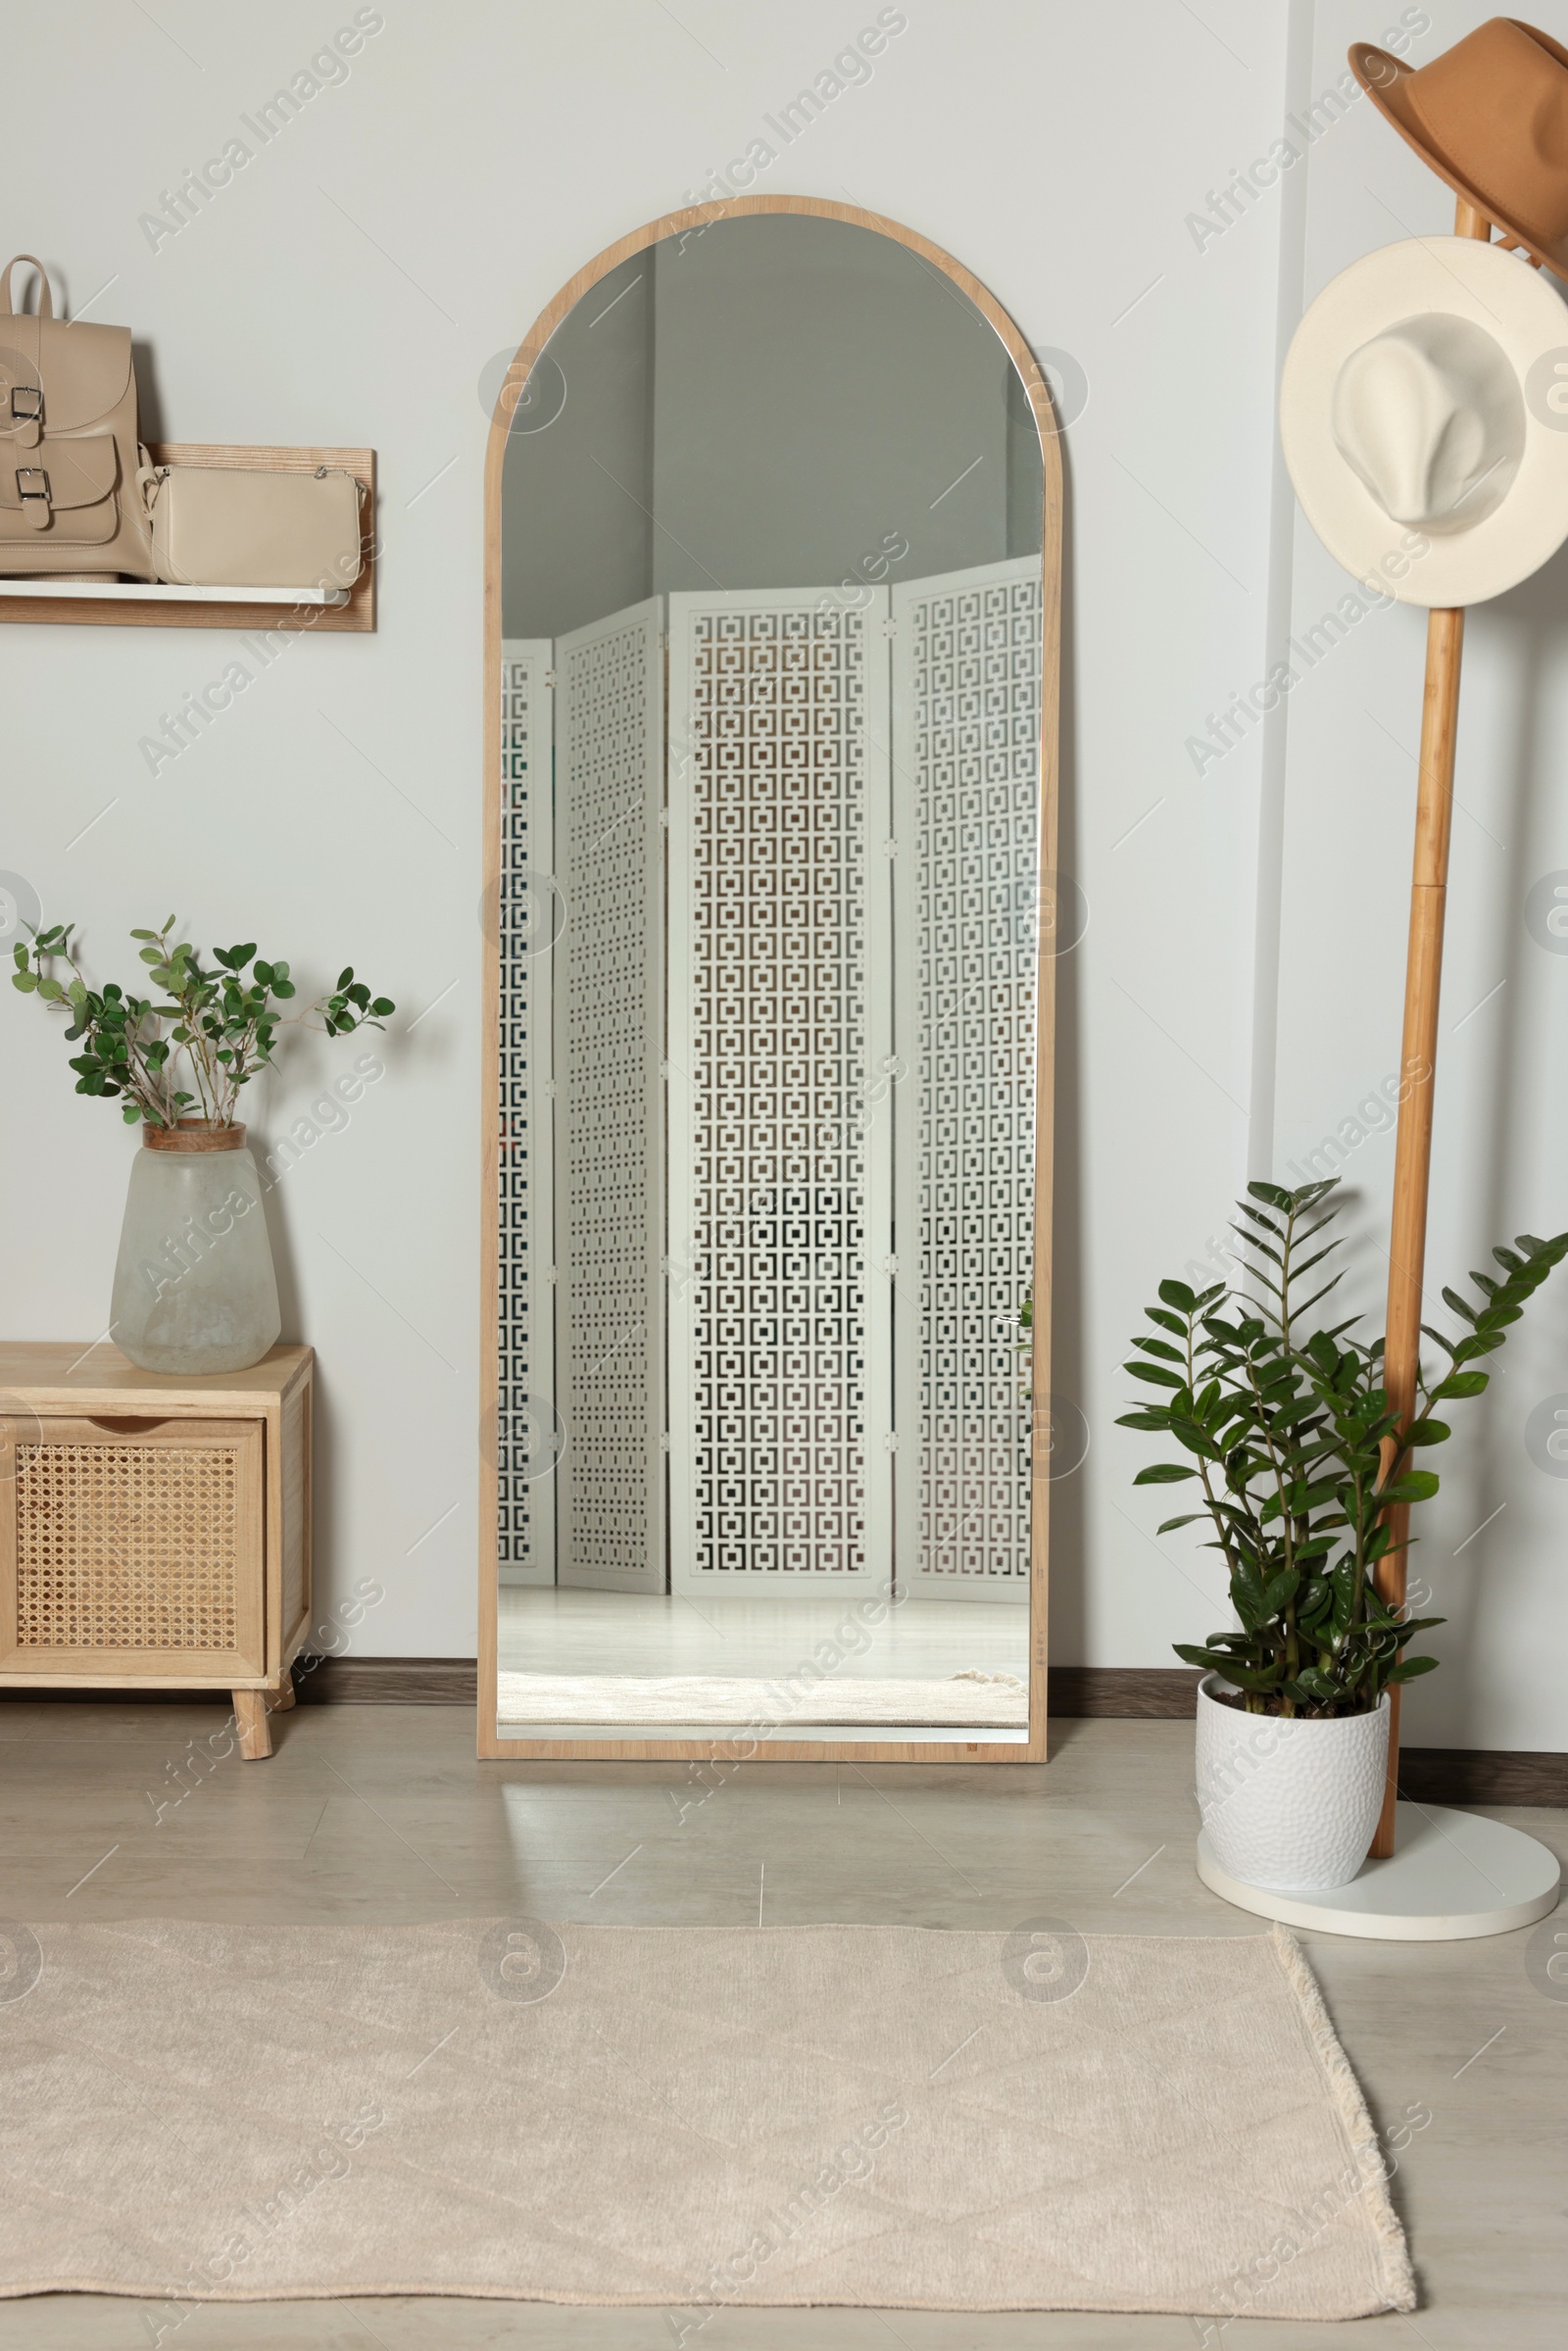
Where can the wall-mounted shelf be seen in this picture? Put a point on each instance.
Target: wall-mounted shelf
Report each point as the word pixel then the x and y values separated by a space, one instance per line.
pixel 137 604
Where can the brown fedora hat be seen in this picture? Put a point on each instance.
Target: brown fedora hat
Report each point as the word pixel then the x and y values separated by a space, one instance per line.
pixel 1491 116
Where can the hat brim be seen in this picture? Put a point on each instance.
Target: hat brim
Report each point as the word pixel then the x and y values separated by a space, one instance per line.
pixel 1384 79
pixel 1454 277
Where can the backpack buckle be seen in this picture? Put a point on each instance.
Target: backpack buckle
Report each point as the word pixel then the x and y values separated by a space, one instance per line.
pixel 32 488
pixel 27 402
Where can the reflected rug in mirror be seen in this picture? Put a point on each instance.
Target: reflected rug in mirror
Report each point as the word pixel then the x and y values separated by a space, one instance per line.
pixel 970 1702
pixel 690 2118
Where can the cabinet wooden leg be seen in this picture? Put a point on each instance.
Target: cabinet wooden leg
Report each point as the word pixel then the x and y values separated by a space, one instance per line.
pixel 280 1702
pixel 255 1730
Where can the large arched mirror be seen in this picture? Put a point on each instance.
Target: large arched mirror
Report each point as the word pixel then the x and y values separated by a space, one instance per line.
pixel 773 551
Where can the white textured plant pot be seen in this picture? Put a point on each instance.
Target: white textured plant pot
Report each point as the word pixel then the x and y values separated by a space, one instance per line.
pixel 1289 1804
pixel 194 1285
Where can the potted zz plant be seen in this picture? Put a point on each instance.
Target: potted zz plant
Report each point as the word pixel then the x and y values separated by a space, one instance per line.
pixel 1287 1432
pixel 194 1286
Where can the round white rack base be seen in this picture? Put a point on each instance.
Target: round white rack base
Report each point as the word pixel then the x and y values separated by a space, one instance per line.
pixel 1451 1874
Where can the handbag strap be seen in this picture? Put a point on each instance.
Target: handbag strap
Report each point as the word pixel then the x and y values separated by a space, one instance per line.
pixel 46 301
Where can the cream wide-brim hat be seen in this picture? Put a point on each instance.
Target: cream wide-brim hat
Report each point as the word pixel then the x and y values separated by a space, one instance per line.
pixel 1431 288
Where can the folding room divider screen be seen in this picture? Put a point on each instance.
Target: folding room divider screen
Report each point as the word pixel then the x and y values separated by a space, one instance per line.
pixel 769 947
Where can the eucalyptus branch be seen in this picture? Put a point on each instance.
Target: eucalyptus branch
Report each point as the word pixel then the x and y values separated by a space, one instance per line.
pixel 222 1026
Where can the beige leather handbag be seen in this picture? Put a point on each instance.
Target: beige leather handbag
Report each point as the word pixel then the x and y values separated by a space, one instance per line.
pixel 68 454
pixel 222 526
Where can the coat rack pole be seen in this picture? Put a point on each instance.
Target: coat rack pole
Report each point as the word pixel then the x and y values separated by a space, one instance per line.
pixel 1412 1156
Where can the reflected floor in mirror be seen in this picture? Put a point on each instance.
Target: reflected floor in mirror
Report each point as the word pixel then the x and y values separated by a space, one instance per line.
pixel 672 1666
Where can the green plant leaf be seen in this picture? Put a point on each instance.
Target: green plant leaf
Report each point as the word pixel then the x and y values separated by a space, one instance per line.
pixel 1161 1347
pixel 1171 1293
pixel 1416 1486
pixel 1280 1591
pixel 1408 1668
pixel 1459 1382
pixel 1163 1473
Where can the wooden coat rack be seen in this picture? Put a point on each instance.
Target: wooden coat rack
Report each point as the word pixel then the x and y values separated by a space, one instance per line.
pixel 1412 1156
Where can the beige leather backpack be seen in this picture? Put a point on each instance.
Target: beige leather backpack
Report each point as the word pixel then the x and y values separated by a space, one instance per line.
pixel 68 454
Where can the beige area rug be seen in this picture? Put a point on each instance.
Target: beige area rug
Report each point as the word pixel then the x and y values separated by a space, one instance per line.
pixel 970 1702
pixel 691 2118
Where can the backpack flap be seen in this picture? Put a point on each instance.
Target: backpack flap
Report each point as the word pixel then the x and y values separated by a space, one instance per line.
pixel 61 486
pixel 75 374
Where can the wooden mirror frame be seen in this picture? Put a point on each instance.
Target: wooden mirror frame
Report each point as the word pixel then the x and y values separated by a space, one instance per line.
pixel 721 1751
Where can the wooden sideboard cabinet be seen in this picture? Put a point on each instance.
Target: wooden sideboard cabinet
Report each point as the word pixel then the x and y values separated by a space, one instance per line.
pixel 155 1530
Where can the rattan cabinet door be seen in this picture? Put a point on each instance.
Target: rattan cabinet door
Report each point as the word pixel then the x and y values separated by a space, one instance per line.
pixel 131 1546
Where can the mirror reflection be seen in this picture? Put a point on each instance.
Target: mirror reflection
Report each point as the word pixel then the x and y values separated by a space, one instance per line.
pixel 772 658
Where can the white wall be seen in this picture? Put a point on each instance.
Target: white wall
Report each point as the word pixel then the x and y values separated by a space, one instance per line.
pixel 354 283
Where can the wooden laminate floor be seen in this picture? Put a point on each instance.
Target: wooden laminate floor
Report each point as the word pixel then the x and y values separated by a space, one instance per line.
pixel 381 1813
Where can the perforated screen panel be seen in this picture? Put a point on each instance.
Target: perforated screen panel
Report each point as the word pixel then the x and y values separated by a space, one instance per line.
pixel 780 1388
pixel 609 1051
pixel 966 767
pixel 529 926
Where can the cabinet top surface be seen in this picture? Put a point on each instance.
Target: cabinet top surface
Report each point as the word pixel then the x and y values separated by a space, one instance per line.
pixel 60 1370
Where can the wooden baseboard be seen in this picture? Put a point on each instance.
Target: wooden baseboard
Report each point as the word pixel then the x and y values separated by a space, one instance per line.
pixel 1123 1692
pixel 1483 1776
pixel 388 1681
pixel 1165 1692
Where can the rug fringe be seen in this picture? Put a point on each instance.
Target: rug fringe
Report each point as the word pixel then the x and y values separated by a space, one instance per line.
pixel 1345 2091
